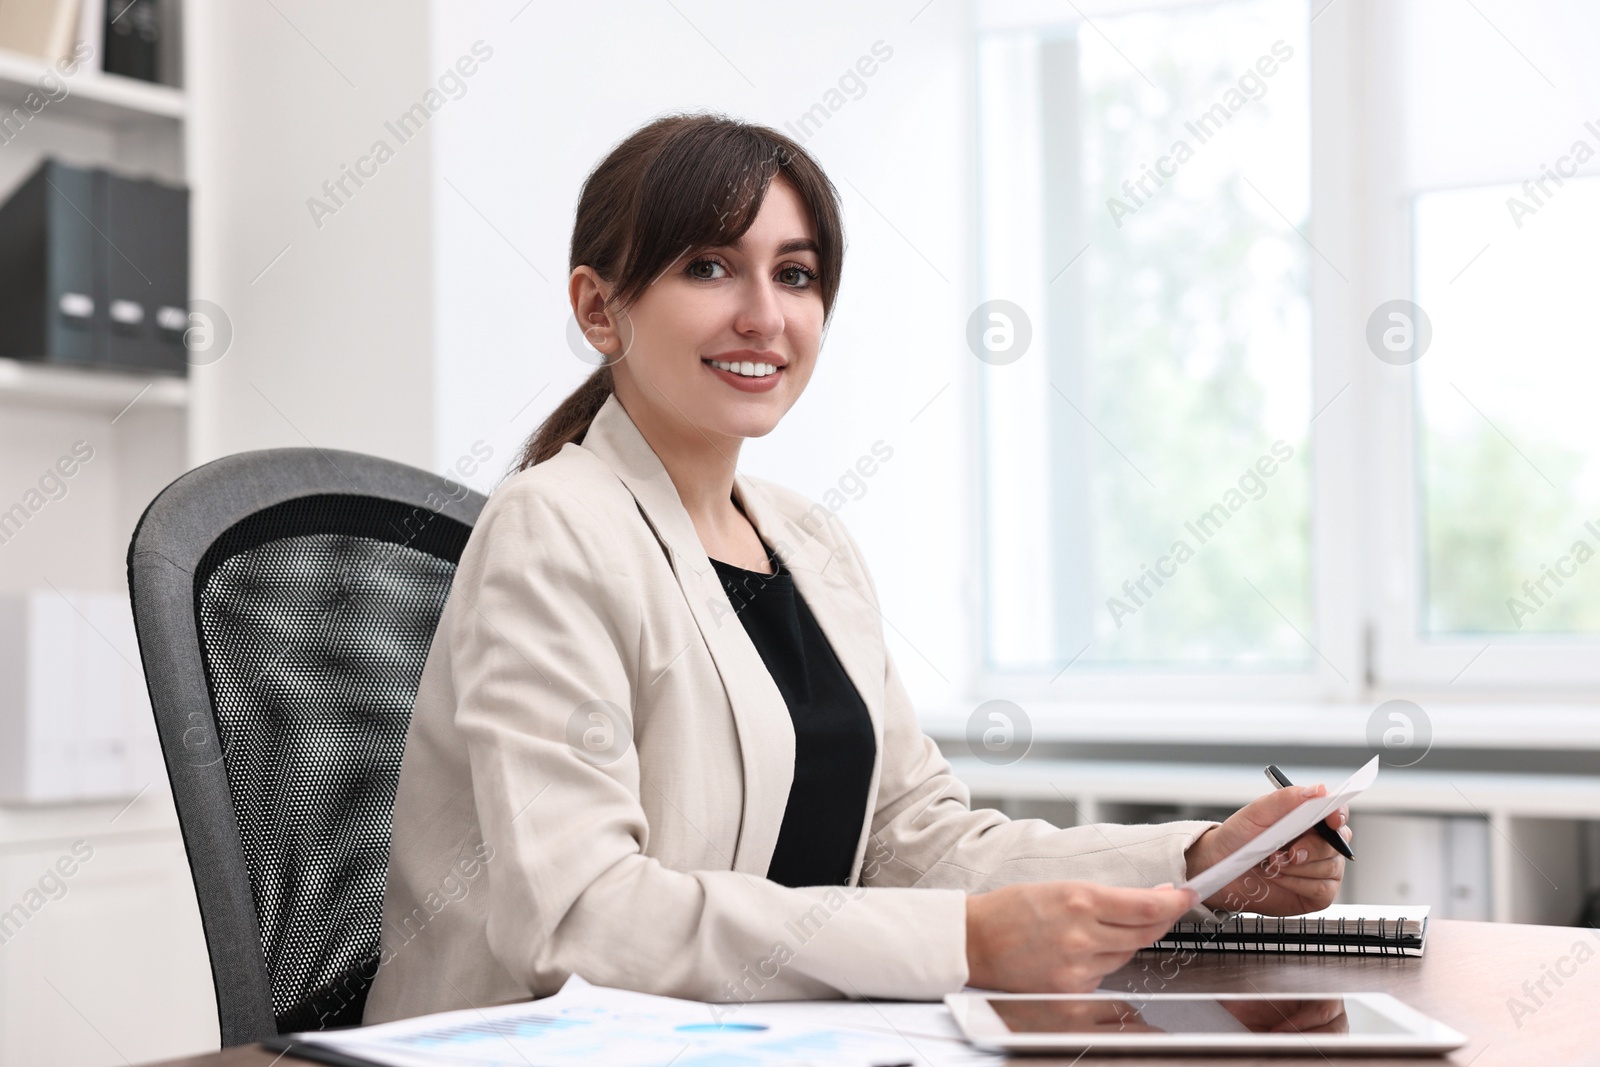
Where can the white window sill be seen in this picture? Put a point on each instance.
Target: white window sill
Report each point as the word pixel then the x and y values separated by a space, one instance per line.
pixel 1502 724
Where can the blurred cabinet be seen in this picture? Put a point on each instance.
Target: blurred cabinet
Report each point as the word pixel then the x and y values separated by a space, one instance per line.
pixel 1509 847
pixel 75 719
pixel 1442 861
pixel 102 957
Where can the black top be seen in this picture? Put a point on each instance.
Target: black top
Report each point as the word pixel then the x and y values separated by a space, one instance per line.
pixel 833 745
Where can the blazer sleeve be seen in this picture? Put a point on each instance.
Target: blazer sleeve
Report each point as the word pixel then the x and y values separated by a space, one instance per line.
pixel 926 827
pixel 550 619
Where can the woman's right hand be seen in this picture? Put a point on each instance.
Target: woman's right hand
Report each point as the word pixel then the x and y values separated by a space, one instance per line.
pixel 1063 937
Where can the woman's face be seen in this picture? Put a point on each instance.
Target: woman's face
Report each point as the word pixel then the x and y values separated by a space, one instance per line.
pixel 753 302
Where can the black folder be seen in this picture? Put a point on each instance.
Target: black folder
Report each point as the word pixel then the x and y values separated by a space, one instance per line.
pixel 94 270
pixel 133 39
pixel 53 306
pixel 145 264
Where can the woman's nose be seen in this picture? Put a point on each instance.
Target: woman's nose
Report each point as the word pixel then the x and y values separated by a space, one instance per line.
pixel 759 312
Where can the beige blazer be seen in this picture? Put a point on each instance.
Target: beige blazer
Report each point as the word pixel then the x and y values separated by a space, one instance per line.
pixel 598 764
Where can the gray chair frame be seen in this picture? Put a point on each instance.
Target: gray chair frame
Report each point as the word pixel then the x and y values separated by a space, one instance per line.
pixel 172 537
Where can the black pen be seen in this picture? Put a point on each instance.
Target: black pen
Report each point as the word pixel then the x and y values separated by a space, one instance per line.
pixel 1326 832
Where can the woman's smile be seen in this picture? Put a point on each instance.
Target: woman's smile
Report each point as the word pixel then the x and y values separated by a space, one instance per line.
pixel 748 370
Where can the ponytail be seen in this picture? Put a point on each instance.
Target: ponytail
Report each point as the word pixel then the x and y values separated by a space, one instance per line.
pixel 568 422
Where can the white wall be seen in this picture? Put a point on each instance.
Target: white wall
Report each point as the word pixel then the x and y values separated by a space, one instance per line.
pixel 564 84
pixel 331 342
pixel 429 313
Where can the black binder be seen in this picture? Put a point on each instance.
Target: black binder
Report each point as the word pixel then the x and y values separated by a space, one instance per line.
pixel 145 264
pixel 94 270
pixel 133 39
pixel 54 304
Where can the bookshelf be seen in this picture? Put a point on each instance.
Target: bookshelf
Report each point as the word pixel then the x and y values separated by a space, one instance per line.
pixel 123 946
pixel 92 96
pixel 136 423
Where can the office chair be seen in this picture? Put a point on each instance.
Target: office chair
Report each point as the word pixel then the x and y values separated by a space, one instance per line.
pixel 285 601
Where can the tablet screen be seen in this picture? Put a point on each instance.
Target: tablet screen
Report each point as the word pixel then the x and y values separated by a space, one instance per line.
pixel 1199 1015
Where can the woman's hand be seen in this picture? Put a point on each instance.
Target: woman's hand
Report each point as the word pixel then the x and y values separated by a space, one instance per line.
pixel 1063 937
pixel 1302 876
pixel 1291 1015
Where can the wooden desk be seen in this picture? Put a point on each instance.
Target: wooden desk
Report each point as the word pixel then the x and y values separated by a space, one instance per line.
pixel 1471 978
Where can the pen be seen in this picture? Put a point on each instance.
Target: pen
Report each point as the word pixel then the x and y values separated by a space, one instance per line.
pixel 1326 832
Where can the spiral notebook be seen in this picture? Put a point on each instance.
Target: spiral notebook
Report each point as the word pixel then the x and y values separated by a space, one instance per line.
pixel 1361 929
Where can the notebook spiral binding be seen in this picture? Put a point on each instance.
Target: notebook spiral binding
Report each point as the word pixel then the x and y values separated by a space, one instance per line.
pixel 1312 934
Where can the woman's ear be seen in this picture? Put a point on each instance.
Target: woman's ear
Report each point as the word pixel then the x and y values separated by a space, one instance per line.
pixel 589 294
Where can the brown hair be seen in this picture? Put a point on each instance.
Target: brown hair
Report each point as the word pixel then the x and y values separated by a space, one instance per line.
pixel 682 183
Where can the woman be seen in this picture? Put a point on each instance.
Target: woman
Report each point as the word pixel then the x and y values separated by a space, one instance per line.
pixel 658 739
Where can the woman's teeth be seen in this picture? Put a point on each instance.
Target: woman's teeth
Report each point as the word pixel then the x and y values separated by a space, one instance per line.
pixel 749 370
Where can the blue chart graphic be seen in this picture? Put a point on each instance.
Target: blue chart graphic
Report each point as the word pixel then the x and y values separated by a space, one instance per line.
pixel 634 1037
pixel 522 1026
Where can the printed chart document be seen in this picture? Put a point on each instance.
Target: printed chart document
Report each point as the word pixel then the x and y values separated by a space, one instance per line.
pixel 596 1025
pixel 1280 833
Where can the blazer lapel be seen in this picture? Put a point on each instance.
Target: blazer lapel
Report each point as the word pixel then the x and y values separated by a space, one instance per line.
pixel 845 614
pixel 766 734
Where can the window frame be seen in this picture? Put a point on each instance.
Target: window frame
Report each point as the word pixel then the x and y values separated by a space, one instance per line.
pixel 1403 656
pixel 1364 531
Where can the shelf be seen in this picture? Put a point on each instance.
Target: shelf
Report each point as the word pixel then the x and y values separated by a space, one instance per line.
pixel 91 94
pixel 1535 821
pixel 88 388
pixel 35 826
pixel 1433 792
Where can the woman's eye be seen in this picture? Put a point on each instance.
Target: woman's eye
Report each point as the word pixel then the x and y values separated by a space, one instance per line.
pixel 809 276
pixel 795 276
pixel 697 264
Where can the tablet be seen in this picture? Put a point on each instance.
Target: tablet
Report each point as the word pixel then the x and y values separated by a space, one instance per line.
pixel 1329 1024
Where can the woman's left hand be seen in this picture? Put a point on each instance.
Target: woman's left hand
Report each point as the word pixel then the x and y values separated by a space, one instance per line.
pixel 1302 876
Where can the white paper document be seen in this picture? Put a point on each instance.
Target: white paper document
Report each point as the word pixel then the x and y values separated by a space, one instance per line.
pixel 1280 833
pixel 597 1026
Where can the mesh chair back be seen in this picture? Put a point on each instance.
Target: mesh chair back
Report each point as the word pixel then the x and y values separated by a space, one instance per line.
pixel 285 601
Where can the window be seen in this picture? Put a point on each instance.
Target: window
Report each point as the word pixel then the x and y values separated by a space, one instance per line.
pixel 1148 471
pixel 1280 394
pixel 1483 211
pixel 1508 471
